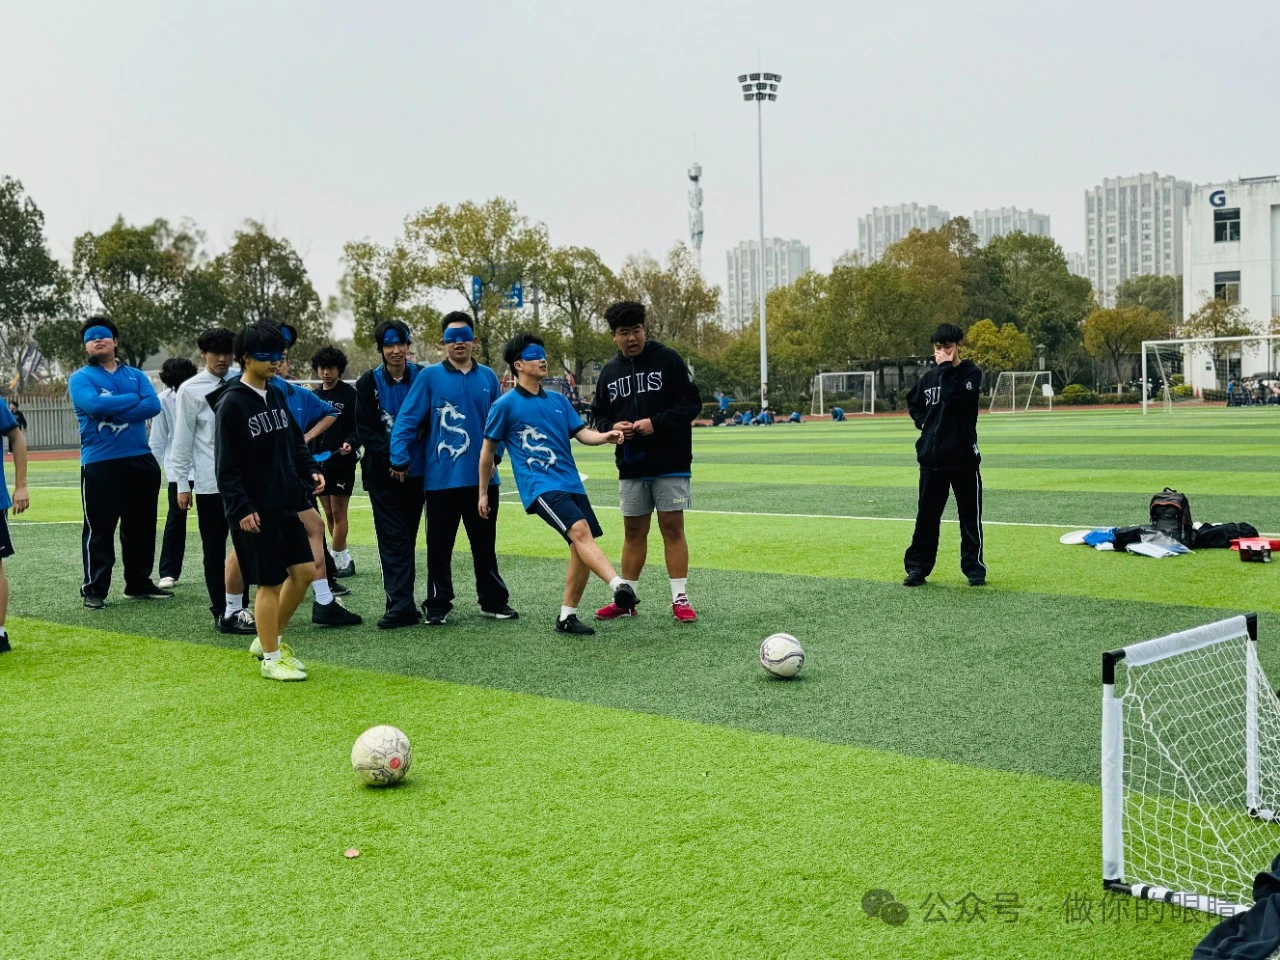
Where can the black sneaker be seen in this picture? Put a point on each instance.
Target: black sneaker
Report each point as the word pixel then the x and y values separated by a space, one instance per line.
pixel 348 571
pixel 338 589
pixel 437 618
pixel 94 603
pixel 503 612
pixel 913 580
pixel 334 615
pixel 149 592
pixel 624 597
pixel 571 624
pixel 393 621
pixel 240 623
pixel 977 581
pixel 4 644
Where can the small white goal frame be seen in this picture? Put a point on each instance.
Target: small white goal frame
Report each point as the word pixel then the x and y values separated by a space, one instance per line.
pixel 819 405
pixel 1036 390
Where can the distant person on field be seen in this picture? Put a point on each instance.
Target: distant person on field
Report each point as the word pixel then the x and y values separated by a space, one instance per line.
pixel 795 417
pixel 119 478
pixel 837 414
pixel 174 372
pixel 944 406
pixel 536 428
pixel 646 392
pixel 19 502
pixel 18 416
pixel 1231 393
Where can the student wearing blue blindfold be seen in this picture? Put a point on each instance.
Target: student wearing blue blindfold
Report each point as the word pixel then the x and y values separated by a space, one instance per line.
pixel 448 405
pixel 536 427
pixel 120 479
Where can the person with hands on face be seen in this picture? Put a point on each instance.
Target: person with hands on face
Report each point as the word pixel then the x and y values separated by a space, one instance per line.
pixel 397 500
pixel 944 407
pixel 646 392
pixel 536 426
pixel 448 405
pixel 264 473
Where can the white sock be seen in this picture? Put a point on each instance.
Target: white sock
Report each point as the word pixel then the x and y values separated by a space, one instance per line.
pixel 271 657
pixel 235 603
pixel 677 587
pixel 3 632
pixel 342 557
pixel 616 582
pixel 324 596
pixel 635 584
pixel 567 612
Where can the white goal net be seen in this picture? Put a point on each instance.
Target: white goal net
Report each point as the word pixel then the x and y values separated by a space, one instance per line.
pixel 1021 390
pixel 853 391
pixel 1190 768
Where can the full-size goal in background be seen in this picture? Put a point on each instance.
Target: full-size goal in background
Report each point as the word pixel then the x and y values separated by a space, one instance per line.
pixel 1021 390
pixel 852 390
pixel 1190 768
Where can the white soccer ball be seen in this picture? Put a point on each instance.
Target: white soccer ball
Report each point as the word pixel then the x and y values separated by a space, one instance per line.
pixel 381 756
pixel 782 655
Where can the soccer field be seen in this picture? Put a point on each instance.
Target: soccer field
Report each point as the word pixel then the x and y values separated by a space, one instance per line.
pixel 646 792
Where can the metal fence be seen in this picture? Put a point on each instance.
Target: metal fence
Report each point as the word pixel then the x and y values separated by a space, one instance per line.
pixel 51 423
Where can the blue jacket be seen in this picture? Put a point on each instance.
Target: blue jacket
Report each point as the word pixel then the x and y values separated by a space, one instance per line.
pixel 113 409
pixel 449 409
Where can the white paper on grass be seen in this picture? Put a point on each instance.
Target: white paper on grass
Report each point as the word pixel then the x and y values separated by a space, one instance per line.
pixel 1074 537
pixel 1151 550
pixel 1105 545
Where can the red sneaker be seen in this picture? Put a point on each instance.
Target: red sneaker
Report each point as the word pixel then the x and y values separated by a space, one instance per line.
pixel 612 611
pixel 682 610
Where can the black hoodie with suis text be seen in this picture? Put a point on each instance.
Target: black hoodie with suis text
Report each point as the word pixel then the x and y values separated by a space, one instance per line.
pixel 654 385
pixel 944 406
pixel 262 463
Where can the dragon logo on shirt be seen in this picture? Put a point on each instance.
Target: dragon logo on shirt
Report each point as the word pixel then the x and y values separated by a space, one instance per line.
pixel 446 412
pixel 115 428
pixel 388 421
pixel 530 433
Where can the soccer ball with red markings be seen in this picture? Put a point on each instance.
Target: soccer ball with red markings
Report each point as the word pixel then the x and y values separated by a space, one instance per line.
pixel 381 756
pixel 781 655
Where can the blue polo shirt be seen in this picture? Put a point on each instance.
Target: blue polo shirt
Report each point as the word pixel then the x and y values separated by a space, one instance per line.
pixel 7 425
pixel 306 408
pixel 537 428
pixel 113 410
pixel 449 409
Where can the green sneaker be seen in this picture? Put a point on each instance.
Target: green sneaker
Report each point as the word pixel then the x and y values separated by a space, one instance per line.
pixel 286 654
pixel 281 670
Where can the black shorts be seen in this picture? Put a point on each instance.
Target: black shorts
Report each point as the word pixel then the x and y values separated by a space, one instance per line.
pixel 265 557
pixel 562 510
pixel 339 476
pixel 6 544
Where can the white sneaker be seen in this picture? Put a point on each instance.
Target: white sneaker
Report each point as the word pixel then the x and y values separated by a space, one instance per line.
pixel 287 655
pixel 279 670
pixel 167 583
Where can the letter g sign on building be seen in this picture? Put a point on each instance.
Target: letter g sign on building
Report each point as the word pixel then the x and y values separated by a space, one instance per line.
pixel 1218 198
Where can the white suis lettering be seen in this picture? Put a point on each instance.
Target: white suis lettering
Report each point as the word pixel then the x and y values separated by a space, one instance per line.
pixel 268 421
pixel 637 382
pixel 932 395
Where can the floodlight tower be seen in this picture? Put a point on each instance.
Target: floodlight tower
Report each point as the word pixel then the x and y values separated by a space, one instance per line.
pixel 695 211
pixel 761 87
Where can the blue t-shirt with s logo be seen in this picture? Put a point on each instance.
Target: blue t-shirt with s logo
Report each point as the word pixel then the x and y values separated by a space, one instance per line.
pixel 536 429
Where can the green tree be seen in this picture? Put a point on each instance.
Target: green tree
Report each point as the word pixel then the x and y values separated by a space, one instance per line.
pixel 1161 294
pixel 265 281
pixel 997 349
pixel 1117 334
pixel 1218 318
pixel 578 287
pixel 797 315
pixel 981 276
pixel 678 301
pixel 930 276
pixel 33 286
pixel 384 283
pixel 136 275
pixel 492 241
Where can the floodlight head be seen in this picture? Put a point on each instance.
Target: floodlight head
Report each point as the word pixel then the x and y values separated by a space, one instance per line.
pixel 755 76
pixel 761 96
pixel 742 78
pixel 748 96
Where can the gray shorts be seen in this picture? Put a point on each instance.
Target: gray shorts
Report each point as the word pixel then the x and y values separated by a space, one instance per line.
pixel 640 498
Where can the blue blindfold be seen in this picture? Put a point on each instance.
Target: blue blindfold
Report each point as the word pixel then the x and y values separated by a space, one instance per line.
pixel 98 333
pixel 533 352
pixel 268 356
pixel 392 336
pixel 459 335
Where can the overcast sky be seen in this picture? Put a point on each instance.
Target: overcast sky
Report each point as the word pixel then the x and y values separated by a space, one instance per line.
pixel 332 121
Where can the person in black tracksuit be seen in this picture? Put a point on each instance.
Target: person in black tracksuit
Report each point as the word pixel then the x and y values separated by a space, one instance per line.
pixel 944 406
pixel 397 505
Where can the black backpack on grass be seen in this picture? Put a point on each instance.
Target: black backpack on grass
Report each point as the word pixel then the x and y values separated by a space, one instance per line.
pixel 1171 515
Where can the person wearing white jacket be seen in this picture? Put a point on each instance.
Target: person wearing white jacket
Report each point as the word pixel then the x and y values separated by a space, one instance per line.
pixel 192 454
pixel 173 373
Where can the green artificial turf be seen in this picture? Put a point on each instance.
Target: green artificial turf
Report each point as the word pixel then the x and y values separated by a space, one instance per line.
pixel 205 813
pixel 941 740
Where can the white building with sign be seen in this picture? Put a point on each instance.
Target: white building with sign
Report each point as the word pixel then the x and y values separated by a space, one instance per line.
pixel 1231 250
